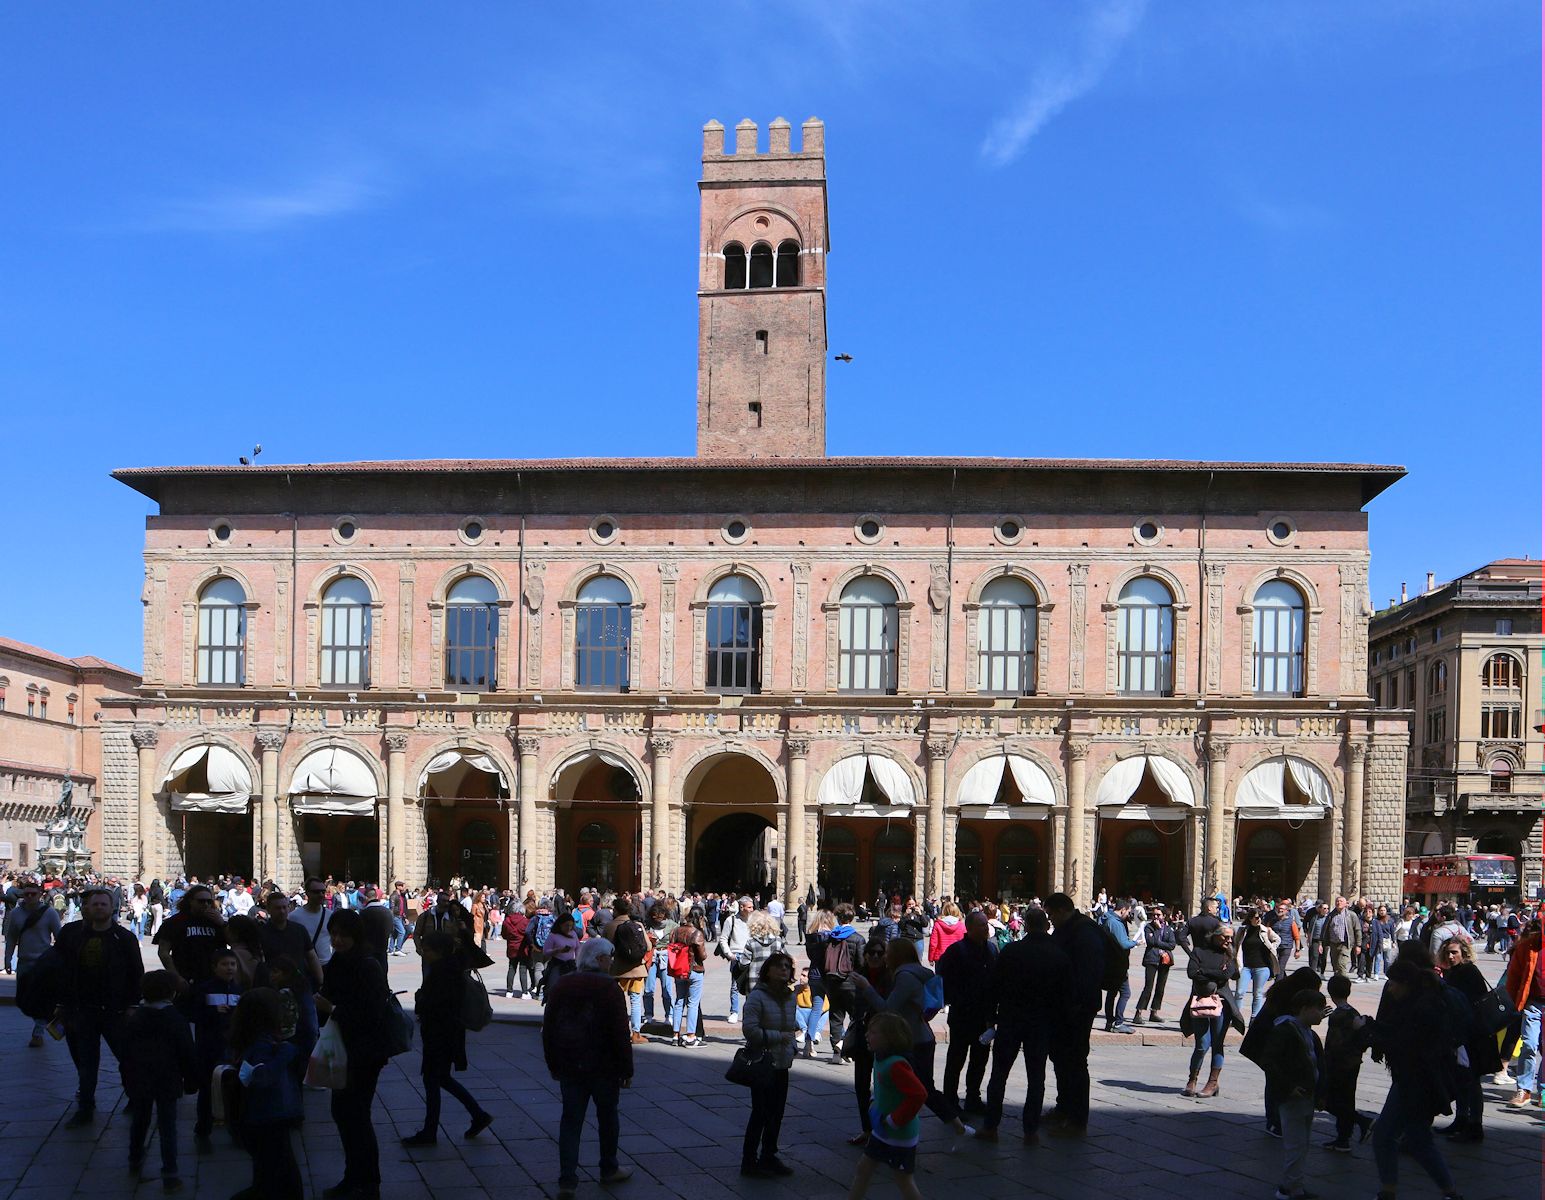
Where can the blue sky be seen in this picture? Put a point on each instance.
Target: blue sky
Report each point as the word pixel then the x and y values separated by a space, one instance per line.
pixel 1188 230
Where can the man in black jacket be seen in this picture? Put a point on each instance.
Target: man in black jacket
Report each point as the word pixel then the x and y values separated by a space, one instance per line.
pixel 966 970
pixel 1080 939
pixel 100 971
pixel 1031 994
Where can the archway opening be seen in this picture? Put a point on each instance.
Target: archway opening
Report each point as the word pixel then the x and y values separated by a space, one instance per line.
pixel 209 793
pixel 340 847
pixel 599 824
pixel 213 843
pixel 737 852
pixel 464 793
pixel 868 859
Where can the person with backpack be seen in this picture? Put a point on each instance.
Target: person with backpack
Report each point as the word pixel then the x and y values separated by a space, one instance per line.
pixel 1456 963
pixel 539 925
pixel 1525 982
pixel 561 949
pixel 443 1035
pixel 517 953
pixel 841 960
pixel 764 938
pixel 1118 965
pixel 589 1051
pixel 271 1098
pixel 30 929
pixel 733 935
pixel 659 925
pixel 1294 1061
pixel 686 956
pixel 630 954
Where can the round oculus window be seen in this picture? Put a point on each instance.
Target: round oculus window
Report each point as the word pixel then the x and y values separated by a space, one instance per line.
pixel 222 532
pixel 736 529
pixel 870 529
pixel 473 530
pixel 603 529
pixel 1148 531
pixel 1281 530
pixel 347 529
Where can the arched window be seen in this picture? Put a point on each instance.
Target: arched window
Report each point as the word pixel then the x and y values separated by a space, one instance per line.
pixel 1145 638
pixel 1502 671
pixel 761 275
pixel 222 634
pixel 866 637
pixel 787 273
pixel 734 267
pixel 346 633
pixel 1279 639
pixel 471 634
pixel 734 646
pixel 1005 638
pixel 1437 678
pixel 603 632
pixel 1501 776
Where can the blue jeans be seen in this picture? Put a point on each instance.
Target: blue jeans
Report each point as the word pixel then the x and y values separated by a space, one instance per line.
pixel 1402 1126
pixel 689 994
pixel 1380 961
pixel 1210 1037
pixel 811 1021
pixel 399 935
pixel 1032 1039
pixel 655 973
pixel 635 1011
pixel 1529 1051
pixel 577 1095
pixel 1258 978
pixel 734 994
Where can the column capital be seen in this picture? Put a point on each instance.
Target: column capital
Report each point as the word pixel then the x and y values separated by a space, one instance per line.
pixel 661 744
pixel 797 746
pixel 270 739
pixel 1357 751
pixel 1218 747
pixel 396 743
pixel 527 744
pixel 1078 748
pixel 145 738
pixel 938 748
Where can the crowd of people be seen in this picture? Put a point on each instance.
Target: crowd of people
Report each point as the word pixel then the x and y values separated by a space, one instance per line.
pixel 260 990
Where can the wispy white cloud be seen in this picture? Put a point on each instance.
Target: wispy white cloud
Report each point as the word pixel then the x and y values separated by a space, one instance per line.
pixel 1062 78
pixel 261 210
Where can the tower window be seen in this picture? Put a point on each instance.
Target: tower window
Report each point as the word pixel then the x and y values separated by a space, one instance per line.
pixel 734 267
pixel 761 341
pixel 761 265
pixel 788 264
pixel 755 408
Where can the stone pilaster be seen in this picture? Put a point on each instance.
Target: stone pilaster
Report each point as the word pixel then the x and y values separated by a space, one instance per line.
pixel 396 814
pixel 1077 869
pixel 151 827
pixel 1353 855
pixel 796 860
pixel 526 868
pixel 659 870
pixel 933 864
pixel 270 742
pixel 1216 874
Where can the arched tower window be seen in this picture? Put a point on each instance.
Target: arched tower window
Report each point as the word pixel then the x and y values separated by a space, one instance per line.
pixel 734 267
pixel 761 265
pixel 787 273
pixel 1279 639
pixel 1502 672
pixel 346 633
pixel 734 647
pixel 1145 638
pixel 1006 638
pixel 1437 678
pixel 471 634
pixel 603 632
pixel 222 634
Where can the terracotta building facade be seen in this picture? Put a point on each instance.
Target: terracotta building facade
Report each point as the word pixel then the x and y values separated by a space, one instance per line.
pixel 763 665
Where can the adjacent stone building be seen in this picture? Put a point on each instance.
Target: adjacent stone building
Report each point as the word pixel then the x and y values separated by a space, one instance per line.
pixel 50 709
pixel 980 675
pixel 1464 659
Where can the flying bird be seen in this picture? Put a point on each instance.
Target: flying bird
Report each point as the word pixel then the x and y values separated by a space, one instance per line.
pixel 843 357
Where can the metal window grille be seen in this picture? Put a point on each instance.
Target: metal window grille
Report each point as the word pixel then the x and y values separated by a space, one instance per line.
pixel 222 637
pixel 1145 654
pixel 602 633
pixel 866 655
pixel 345 645
pixel 1007 654
pixel 471 634
pixel 1279 651
pixel 734 648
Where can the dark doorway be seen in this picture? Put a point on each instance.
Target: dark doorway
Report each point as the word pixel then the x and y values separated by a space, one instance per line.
pixel 734 854
pixel 215 843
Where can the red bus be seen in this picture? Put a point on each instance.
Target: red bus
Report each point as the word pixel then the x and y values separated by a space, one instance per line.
pixel 1454 878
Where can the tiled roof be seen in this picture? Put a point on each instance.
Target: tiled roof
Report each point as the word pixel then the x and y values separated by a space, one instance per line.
pixel 50 772
pixel 88 662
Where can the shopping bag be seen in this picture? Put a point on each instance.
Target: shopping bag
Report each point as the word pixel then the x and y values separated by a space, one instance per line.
pixel 329 1065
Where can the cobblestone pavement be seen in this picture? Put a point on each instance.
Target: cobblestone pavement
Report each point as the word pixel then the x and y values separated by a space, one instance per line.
pixel 682 1123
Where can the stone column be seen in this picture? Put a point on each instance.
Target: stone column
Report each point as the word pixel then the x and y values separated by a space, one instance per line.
pixel 150 867
pixel 933 866
pixel 658 872
pixel 1214 866
pixel 796 869
pixel 1352 857
pixel 1077 872
pixel 396 816
pixel 524 869
pixel 270 741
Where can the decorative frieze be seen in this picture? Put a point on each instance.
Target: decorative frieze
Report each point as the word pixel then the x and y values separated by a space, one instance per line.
pixel 1078 623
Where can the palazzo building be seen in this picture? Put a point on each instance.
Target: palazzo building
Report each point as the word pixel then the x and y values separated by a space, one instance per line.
pixel 932 675
pixel 1464 659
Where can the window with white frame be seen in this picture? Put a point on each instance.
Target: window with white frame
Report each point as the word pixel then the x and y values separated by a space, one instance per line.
pixel 866 636
pixel 603 635
pixel 222 634
pixel 1005 638
pixel 472 634
pixel 346 633
pixel 1145 638
pixel 1279 639
pixel 734 636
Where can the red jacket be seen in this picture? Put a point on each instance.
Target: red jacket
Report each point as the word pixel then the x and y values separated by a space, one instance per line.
pixel 513 931
pixel 1521 967
pixel 944 935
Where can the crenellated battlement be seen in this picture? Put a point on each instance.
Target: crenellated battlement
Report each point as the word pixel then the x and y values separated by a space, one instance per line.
pixel 717 145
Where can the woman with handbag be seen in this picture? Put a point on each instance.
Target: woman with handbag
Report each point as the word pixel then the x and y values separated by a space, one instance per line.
pixel 1158 957
pixel 443 1036
pixel 1456 963
pixel 769 1021
pixel 686 956
pixel 1210 1010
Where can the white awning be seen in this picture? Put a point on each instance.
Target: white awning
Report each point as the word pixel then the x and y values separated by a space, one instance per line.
pixel 1261 795
pixel 981 783
pixel 1122 780
pixel 843 783
pixel 448 759
pixel 333 782
pixel 230 783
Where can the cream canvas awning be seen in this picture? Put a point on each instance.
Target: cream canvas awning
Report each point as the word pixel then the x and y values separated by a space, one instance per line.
pixel 449 759
pixel 333 782
pixel 1123 779
pixel 1262 795
pixel 982 782
pixel 230 783
pixel 843 784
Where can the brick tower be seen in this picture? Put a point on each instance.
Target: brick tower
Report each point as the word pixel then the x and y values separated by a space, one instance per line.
pixel 761 343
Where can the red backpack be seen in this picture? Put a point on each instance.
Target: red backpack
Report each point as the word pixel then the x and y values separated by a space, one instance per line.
pixel 678 959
